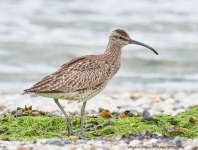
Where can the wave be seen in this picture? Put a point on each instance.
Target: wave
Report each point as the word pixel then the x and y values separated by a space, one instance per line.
pixel 27 68
pixel 158 76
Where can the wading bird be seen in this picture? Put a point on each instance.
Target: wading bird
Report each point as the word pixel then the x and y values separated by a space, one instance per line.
pixel 84 77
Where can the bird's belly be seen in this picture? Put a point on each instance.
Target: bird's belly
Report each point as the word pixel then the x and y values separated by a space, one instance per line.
pixel 65 95
pixel 81 95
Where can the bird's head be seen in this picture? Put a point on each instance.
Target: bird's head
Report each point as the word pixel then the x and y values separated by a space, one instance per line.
pixel 122 38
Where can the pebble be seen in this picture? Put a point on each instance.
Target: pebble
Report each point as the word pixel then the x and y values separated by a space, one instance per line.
pixel 36 114
pixel 159 140
pixel 153 141
pixel 122 145
pixel 104 124
pixel 65 141
pixel 134 142
pixel 100 138
pixel 55 141
pixel 64 132
pixel 80 142
pixel 177 141
pixel 88 125
pixel 190 147
pixel 25 113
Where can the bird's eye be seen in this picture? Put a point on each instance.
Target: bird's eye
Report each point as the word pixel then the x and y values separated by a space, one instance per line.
pixel 120 37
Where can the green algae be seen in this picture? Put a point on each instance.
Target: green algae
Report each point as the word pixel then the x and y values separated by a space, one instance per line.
pixel 28 128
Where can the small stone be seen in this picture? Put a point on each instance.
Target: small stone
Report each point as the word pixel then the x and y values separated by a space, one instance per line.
pixel 164 140
pixel 19 108
pixel 138 95
pixel 190 147
pixel 100 109
pixel 123 145
pixel 57 113
pixel 64 132
pixel 16 131
pixel 100 138
pixel 13 112
pixel 104 124
pixel 100 149
pixel 153 100
pixel 115 116
pixel 134 142
pixel 170 142
pixel 35 113
pixel 18 113
pixel 80 142
pixel 145 112
pixel 42 113
pixel 159 140
pixel 65 141
pixel 147 118
pixel 55 141
pixel 25 113
pixel 170 101
pixel 165 96
pixel 50 115
pixel 88 125
pixel 108 123
pixel 21 148
pixel 177 141
pixel 131 113
pixel 164 144
pixel 153 141
pixel 146 106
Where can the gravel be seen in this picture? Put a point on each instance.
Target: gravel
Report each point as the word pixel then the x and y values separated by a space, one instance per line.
pixel 134 103
pixel 98 143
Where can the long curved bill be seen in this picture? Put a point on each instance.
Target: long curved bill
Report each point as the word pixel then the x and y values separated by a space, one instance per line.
pixel 142 44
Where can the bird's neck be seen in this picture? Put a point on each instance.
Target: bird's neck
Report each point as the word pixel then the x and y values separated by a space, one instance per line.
pixel 113 52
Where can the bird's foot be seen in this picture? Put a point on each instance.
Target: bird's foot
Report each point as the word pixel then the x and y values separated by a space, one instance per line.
pixel 69 127
pixel 70 131
pixel 81 136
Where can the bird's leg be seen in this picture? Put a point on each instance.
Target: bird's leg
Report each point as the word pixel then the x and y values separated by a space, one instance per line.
pixel 68 120
pixel 81 119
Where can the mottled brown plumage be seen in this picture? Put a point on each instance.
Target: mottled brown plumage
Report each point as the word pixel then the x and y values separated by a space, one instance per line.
pixel 77 75
pixel 84 77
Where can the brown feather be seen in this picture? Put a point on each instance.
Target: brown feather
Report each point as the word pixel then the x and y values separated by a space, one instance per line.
pixel 74 75
pixel 122 32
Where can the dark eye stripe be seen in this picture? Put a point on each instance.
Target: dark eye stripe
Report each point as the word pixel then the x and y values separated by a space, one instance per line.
pixel 122 38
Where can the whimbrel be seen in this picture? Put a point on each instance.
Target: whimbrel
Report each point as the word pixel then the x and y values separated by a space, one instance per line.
pixel 84 77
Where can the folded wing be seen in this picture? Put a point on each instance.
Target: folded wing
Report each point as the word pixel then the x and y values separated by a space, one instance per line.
pixel 79 73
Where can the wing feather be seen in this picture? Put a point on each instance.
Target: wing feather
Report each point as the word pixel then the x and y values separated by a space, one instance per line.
pixel 80 73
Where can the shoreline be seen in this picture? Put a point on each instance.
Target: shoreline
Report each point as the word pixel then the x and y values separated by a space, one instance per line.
pixel 160 102
pixel 156 103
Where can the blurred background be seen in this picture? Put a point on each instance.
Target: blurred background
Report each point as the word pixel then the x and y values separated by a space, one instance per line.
pixel 37 37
